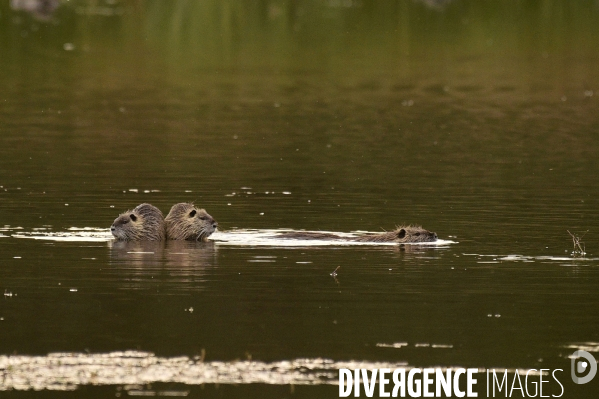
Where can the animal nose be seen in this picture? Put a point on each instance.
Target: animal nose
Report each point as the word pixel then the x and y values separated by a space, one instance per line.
pixel 214 224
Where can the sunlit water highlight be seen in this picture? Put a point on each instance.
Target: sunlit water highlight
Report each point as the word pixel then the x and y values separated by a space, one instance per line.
pixel 67 371
pixel 267 237
pixel 240 237
pixel 578 260
pixel 86 234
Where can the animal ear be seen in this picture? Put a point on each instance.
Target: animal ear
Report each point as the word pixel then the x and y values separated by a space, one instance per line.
pixel 401 233
pixel 133 217
pixel 192 213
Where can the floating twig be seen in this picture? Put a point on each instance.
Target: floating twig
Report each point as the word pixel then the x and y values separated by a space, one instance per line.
pixel 334 274
pixel 578 248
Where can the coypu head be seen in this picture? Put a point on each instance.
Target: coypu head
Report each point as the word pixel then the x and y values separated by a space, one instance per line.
pixel 402 234
pixel 186 222
pixel 144 223
pixel 413 234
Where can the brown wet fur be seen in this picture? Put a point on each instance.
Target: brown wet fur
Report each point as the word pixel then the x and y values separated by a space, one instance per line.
pixel 403 234
pixel 187 222
pixel 144 223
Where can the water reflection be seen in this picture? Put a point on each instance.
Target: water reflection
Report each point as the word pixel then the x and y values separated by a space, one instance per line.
pixel 136 253
pixel 170 266
pixel 41 10
pixel 190 254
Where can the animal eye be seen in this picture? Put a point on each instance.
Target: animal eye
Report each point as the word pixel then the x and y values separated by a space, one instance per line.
pixel 203 217
pixel 125 221
pixel 416 234
pixel 133 217
pixel 192 213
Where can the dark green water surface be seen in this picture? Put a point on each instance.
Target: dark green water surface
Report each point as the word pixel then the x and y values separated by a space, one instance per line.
pixel 476 119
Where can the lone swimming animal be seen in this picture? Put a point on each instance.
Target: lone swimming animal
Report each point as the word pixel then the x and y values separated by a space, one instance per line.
pixel 402 234
pixel 186 222
pixel 144 223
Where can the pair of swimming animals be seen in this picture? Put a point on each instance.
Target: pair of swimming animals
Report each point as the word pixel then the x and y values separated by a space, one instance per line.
pixel 187 222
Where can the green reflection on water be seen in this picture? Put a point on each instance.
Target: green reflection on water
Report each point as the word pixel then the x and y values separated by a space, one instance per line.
pixel 336 37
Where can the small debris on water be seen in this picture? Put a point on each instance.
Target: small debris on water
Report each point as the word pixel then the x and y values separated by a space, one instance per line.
pixel 261 213
pixel 16 257
pixel 8 293
pixel 73 290
pixel 334 274
pixel 287 192
pixel 68 46
pixel 579 250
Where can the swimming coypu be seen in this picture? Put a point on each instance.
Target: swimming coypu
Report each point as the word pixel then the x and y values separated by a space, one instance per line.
pixel 186 222
pixel 402 234
pixel 144 223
